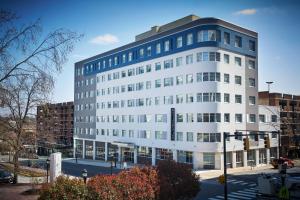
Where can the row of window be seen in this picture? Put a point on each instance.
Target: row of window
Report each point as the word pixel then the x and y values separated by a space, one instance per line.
pixel 180 117
pixel 166 46
pixel 189 59
pixel 168 100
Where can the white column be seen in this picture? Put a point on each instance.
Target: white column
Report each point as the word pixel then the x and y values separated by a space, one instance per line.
pixel 268 156
pixel 153 156
pixel 119 154
pixel 94 150
pixel 245 159
pixel 197 160
pixel 233 158
pixel 256 157
pixel 106 151
pixel 74 148
pixel 135 152
pixel 83 149
pixel 219 160
pixel 174 155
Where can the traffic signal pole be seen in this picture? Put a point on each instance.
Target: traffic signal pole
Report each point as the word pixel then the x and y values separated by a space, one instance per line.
pixel 225 166
pixel 225 135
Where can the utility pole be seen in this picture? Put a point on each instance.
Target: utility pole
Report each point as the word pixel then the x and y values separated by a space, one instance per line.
pixel 225 166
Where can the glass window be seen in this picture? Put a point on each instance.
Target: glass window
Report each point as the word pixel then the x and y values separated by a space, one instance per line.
pixel 199 117
pixel 207 35
pixel 167 45
pixel 189 59
pixel 168 81
pixel 226 97
pixel 168 64
pixel 238 98
pixel 158 48
pixel 226 59
pixel 161 118
pixel 189 98
pixel 238 80
pixel 262 118
pixel 252 100
pixel 178 61
pixel 251 45
pixel 238 118
pixel 274 118
pixel 179 136
pixel 179 80
pixel 251 82
pixel 226 38
pixel 148 68
pixel 252 118
pixel 199 97
pixel 189 39
pixel 157 83
pixel 189 78
pixel 238 61
pixel 149 51
pixel 205 76
pixel 189 117
pixel 251 64
pixel 189 136
pixel 179 42
pixel 238 41
pixel 205 97
pixel 160 135
pixel 226 78
pixel 157 66
pixel 179 98
pixel 199 77
pixel 226 117
pixel 130 56
pixel 179 117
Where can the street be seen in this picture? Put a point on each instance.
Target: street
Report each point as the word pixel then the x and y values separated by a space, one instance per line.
pixel 241 186
pixel 74 169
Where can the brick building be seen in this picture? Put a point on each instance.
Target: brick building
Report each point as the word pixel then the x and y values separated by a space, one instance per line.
pixel 55 128
pixel 289 118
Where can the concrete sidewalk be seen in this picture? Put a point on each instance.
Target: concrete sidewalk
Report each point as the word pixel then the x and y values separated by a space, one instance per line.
pixel 208 174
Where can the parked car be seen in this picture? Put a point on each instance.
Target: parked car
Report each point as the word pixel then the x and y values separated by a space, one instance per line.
pixel 275 162
pixel 6 177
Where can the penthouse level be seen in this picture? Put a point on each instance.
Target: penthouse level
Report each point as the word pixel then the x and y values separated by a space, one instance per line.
pixel 199 32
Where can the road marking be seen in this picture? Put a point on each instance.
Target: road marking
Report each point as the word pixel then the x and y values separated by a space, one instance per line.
pixel 222 197
pixel 245 192
pixel 237 196
pixel 213 199
pixel 244 183
pixel 242 194
pixel 252 185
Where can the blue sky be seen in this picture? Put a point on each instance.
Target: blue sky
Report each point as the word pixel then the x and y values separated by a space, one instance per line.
pixel 109 24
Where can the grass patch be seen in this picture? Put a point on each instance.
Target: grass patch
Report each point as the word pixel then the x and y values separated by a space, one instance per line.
pixel 29 172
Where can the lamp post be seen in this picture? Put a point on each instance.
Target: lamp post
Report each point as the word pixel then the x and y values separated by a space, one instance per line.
pixel 47 165
pixel 269 83
pixel 84 175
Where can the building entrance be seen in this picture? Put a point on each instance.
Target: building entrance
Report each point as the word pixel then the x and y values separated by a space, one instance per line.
pixel 127 154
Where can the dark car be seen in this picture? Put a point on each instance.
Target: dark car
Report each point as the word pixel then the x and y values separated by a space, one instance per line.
pixel 289 163
pixel 6 177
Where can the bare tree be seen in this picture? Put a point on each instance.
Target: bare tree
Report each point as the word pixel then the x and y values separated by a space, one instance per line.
pixel 29 62
pixel 24 50
pixel 21 96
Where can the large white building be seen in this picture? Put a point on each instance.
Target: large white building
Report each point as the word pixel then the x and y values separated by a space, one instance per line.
pixel 172 94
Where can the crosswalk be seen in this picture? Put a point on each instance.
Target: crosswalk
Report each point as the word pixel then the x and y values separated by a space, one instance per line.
pixel 246 194
pixel 243 183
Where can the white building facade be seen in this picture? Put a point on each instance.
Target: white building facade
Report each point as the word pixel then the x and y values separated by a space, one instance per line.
pixel 172 94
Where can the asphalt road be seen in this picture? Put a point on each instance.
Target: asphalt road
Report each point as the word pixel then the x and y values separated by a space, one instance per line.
pixel 241 186
pixel 74 169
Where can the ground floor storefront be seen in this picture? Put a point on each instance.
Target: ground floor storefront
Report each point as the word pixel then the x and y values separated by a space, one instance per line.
pixel 130 153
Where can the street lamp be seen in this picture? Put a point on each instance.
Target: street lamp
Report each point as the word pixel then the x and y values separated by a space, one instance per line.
pixel 84 175
pixel 47 165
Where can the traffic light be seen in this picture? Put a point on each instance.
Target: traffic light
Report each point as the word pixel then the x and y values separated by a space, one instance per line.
pixel 236 135
pixel 246 144
pixel 256 137
pixel 267 142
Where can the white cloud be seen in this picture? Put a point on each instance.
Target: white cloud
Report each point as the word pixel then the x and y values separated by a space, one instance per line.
pixel 104 39
pixel 251 11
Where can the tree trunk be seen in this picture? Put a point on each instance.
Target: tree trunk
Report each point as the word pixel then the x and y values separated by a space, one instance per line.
pixel 16 166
